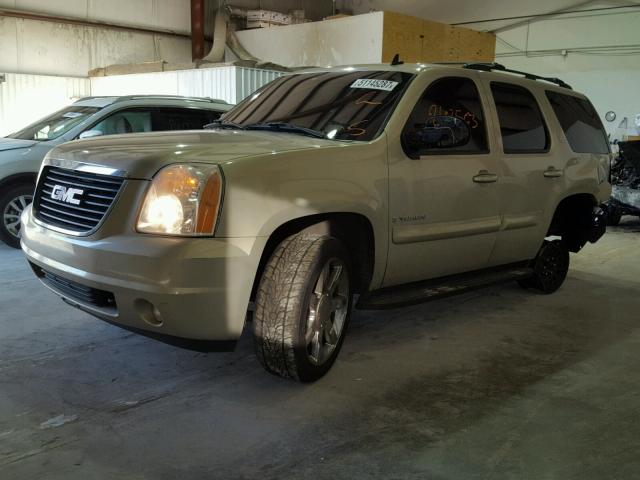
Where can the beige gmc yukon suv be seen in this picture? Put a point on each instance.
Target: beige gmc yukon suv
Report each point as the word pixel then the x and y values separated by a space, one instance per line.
pixel 394 182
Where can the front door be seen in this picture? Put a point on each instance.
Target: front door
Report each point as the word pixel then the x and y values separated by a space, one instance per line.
pixel 443 203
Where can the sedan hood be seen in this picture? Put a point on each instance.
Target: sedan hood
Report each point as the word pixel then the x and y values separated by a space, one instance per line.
pixel 142 155
pixel 15 143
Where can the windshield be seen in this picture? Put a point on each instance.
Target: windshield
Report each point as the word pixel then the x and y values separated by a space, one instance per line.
pixel 351 105
pixel 55 125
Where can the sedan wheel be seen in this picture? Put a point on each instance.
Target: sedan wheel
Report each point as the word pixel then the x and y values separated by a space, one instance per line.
pixel 12 204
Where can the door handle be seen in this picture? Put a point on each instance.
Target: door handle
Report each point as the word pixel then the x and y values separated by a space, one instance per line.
pixel 484 176
pixel 552 172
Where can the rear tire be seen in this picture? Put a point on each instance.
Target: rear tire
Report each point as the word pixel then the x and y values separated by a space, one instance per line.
pixel 303 305
pixel 12 203
pixel 550 267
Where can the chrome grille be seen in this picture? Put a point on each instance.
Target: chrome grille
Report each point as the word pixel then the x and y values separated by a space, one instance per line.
pixel 73 200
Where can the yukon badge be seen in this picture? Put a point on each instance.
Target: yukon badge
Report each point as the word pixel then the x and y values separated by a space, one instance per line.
pixel 65 194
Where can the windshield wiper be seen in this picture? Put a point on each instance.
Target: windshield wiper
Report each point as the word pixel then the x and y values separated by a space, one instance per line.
pixel 223 124
pixel 285 127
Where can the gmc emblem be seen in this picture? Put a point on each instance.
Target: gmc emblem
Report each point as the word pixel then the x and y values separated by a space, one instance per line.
pixel 64 194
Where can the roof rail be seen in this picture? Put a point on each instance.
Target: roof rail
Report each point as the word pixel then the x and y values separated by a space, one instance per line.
pixel 490 67
pixel 170 97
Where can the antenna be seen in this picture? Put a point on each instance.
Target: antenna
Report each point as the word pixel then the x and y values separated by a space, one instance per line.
pixel 396 60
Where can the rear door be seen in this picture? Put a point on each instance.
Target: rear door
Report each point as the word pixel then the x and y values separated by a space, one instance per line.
pixel 531 175
pixel 443 203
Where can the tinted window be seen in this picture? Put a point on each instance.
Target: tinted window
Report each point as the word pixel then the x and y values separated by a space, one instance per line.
pixel 155 119
pixel 126 121
pixel 351 105
pixel 182 118
pixel 56 125
pixel 580 123
pixel 453 97
pixel 521 124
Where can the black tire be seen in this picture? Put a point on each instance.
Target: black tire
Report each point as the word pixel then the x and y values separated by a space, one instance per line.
pixel 8 212
pixel 287 289
pixel 550 267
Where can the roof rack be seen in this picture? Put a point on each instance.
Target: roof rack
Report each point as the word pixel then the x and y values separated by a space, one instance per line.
pixel 490 67
pixel 169 97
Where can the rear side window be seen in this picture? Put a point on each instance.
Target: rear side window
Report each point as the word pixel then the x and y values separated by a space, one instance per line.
pixel 521 123
pixel 580 122
pixel 166 118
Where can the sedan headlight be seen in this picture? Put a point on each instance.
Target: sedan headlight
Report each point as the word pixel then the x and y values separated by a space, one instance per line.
pixel 183 199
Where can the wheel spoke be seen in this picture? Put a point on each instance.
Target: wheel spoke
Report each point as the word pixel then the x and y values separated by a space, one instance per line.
pixel 316 347
pixel 14 205
pixel 322 280
pixel 331 334
pixel 338 302
pixel 11 215
pixel 334 280
pixel 23 202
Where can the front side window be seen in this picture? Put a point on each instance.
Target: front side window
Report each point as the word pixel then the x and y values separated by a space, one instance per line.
pixel 346 105
pixel 55 125
pixel 155 119
pixel 521 123
pixel 135 120
pixel 448 119
pixel 580 123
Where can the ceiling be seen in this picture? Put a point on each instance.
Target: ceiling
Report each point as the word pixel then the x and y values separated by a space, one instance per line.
pixel 457 11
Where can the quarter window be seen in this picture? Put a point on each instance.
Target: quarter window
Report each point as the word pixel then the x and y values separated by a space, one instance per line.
pixel 450 97
pixel 521 123
pixel 580 123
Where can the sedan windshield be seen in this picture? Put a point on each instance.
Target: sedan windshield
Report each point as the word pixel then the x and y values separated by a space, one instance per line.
pixel 55 125
pixel 346 105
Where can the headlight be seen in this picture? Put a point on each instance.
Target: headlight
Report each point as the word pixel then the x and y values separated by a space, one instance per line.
pixel 183 199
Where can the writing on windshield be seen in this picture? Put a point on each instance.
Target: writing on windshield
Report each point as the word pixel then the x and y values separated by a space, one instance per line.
pixel 344 105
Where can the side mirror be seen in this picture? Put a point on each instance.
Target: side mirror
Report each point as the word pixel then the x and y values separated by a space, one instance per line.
pixel 440 131
pixel 90 134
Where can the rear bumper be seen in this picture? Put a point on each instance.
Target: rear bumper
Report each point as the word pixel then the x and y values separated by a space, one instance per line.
pixel 185 288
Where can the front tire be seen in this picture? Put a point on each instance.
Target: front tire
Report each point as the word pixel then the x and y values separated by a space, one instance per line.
pixel 12 204
pixel 550 267
pixel 303 305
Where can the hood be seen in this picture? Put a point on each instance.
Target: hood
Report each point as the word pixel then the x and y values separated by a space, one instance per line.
pixel 15 143
pixel 141 155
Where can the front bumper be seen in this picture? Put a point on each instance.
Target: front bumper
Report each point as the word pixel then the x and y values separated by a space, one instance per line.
pixel 186 288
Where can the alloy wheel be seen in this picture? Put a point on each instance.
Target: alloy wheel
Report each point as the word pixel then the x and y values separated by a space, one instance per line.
pixel 328 308
pixel 12 213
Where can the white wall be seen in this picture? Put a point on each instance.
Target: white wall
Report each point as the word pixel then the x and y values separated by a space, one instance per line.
pixel 594 61
pixel 26 98
pixel 165 14
pixel 230 84
pixel 46 48
pixel 342 41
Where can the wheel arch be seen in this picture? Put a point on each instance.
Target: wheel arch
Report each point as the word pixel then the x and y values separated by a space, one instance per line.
pixel 572 219
pixel 18 179
pixel 355 230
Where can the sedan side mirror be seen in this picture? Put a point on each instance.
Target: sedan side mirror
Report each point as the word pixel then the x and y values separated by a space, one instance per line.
pixel 91 133
pixel 440 131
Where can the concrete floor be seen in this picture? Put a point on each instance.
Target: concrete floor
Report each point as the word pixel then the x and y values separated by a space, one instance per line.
pixel 499 383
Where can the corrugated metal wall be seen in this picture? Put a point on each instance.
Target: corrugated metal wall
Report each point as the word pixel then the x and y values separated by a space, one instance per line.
pixel 228 83
pixel 26 98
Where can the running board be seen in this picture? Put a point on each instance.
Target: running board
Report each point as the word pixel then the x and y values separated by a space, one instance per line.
pixel 418 292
